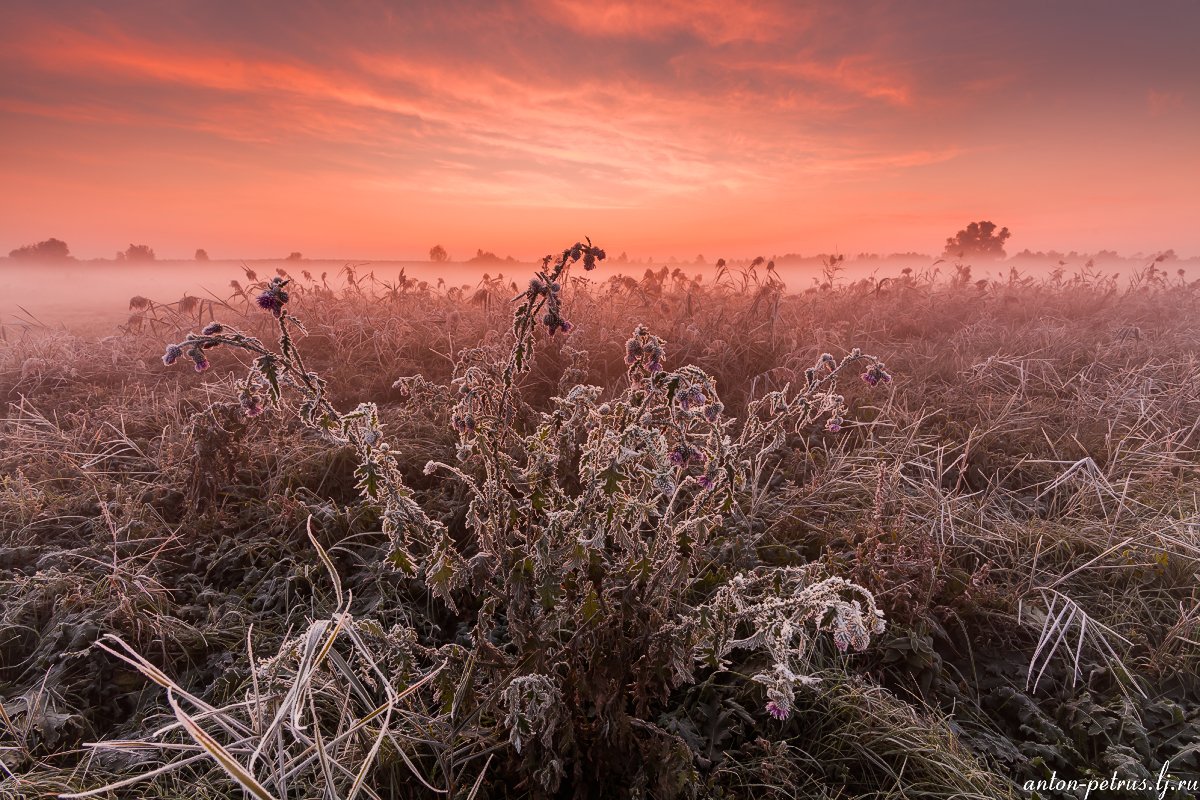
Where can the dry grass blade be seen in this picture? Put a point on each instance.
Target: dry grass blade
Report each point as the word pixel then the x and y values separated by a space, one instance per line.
pixel 1054 631
pixel 219 753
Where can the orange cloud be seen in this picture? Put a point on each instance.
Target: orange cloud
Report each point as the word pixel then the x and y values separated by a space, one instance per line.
pixel 781 123
pixel 713 21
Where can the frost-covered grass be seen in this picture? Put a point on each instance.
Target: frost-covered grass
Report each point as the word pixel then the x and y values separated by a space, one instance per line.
pixel 396 540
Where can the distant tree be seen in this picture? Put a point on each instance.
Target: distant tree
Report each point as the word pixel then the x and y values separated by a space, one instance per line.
pixel 485 257
pixel 202 254
pixel 138 252
pixel 700 260
pixel 438 254
pixel 295 255
pixel 49 250
pixel 978 240
pixel 623 258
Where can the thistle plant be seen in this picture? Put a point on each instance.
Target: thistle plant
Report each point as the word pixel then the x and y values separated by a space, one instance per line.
pixel 272 372
pixel 602 561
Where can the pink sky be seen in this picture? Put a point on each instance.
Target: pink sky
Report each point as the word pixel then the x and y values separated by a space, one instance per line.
pixel 371 130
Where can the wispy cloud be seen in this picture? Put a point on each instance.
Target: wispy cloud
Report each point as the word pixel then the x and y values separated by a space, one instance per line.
pixel 674 111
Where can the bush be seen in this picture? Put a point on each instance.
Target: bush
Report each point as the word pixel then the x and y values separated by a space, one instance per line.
pixel 602 563
pixel 48 250
pixel 978 240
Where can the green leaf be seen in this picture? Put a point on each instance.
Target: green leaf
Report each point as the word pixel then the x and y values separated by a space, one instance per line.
pixel 402 561
pixel 590 605
pixel 268 367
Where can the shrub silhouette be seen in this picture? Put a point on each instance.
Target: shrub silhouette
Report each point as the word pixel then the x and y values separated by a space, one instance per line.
pixel 137 252
pixel 48 250
pixel 978 240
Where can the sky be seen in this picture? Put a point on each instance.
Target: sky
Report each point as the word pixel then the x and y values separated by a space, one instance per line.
pixel 366 129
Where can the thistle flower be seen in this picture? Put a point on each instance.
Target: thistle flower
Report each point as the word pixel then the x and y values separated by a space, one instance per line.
pixel 269 301
pixel 556 323
pixel 704 481
pixel 536 286
pixel 252 405
pixel 683 455
pixel 692 397
pixel 876 375
pixel 172 354
pixel 834 424
pixel 777 711
pixel 212 329
pixel 199 359
pixel 273 297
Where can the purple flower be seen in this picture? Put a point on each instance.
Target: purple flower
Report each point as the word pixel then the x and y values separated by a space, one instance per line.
pixel 777 711
pixel 252 405
pixel 704 481
pixel 876 375
pixel 196 354
pixel 269 301
pixel 680 455
pixel 684 454
pixel 172 355
pixel 834 424
pixel 212 329
pixel 556 323
pixel 692 397
pixel 273 297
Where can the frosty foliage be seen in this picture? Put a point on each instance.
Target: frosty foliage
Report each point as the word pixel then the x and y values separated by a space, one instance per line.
pixel 598 568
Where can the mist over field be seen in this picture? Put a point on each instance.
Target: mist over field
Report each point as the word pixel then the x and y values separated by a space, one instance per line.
pixel 94 296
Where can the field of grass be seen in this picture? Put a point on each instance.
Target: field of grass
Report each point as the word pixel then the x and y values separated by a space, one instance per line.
pixel 424 548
